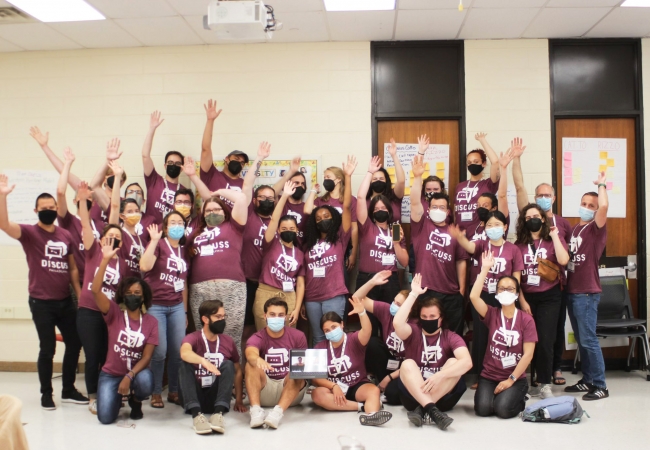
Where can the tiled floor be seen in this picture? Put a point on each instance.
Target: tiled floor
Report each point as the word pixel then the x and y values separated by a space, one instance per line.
pixel 623 420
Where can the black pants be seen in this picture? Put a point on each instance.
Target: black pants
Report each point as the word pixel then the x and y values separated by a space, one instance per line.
pixel 505 405
pixel 94 339
pixel 480 333
pixel 48 314
pixel 385 293
pixel 545 307
pixel 446 402
pixel 558 347
pixel 452 308
pixel 251 289
pixel 192 395
pixel 377 356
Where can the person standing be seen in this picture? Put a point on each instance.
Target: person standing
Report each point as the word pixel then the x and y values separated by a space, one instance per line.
pixel 379 183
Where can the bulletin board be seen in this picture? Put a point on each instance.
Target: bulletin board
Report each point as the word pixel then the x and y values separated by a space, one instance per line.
pixel 582 160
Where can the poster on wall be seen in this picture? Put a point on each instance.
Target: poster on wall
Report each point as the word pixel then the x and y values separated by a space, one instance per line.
pixel 582 160
pixel 437 163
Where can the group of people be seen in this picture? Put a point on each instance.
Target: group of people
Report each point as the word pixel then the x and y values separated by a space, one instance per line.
pixel 122 277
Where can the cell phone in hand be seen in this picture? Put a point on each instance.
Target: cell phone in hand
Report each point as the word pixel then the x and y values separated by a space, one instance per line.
pixel 396 233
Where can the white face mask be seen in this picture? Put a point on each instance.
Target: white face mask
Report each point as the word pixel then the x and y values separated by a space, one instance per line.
pixel 437 216
pixel 506 298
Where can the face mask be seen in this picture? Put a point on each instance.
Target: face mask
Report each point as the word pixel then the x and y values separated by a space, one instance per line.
pixel 173 171
pixel 110 180
pixel 544 203
pixel 428 195
pixel 534 224
pixel 393 309
pixel 132 219
pixel 275 324
pixel 378 186
pixel 585 214
pixel 47 216
pixel 494 233
pixel 116 243
pixel 437 216
pixel 380 216
pixel 329 185
pixel 176 231
pixel 184 210
pixel 482 214
pixel 506 298
pixel 335 335
pixel 89 204
pixel 132 302
pixel 265 207
pixel 323 226
pixel 300 191
pixel 429 326
pixel 475 169
pixel 137 197
pixel 212 219
pixel 234 167
pixel 218 326
pixel 288 236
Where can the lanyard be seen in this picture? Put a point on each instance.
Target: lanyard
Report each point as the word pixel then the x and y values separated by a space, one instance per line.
pixel 572 236
pixel 530 251
pixel 428 355
pixel 293 254
pixel 503 322
pixel 167 186
pixel 128 333
pixel 500 250
pixel 92 224
pixel 181 263
pixel 207 347
pixel 133 240
pixel 345 341
pixel 386 237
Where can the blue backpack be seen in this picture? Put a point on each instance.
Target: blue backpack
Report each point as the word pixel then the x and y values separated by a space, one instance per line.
pixel 563 409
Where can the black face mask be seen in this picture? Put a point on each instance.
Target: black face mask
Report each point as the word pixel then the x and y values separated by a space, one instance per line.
pixel 173 171
pixel 110 180
pixel 475 169
pixel 234 167
pixel 329 185
pixel 324 225
pixel 116 243
pixel 378 186
pixel 47 216
pixel 428 195
pixel 133 302
pixel 482 214
pixel 300 191
pixel 89 204
pixel 265 207
pixel 288 236
pixel 218 326
pixel 429 326
pixel 534 224
pixel 380 216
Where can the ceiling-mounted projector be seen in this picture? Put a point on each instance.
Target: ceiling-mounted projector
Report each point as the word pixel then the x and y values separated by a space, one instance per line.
pixel 250 20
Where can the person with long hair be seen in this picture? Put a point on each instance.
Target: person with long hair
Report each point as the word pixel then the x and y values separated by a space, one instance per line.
pixel 377 182
pixel 295 206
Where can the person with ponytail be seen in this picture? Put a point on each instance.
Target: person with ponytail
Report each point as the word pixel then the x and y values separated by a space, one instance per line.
pixel 381 184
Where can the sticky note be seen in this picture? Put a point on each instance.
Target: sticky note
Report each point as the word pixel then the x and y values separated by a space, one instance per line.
pixel 407 190
pixel 425 174
pixel 610 185
pixel 390 170
pixel 568 181
pixel 440 174
pixel 610 173
pixel 440 166
pixel 616 190
pixel 568 164
pixel 568 172
pixel 568 156
pixel 426 166
pixel 577 178
pixel 610 162
pixel 577 171
pixel 603 155
pixel 602 168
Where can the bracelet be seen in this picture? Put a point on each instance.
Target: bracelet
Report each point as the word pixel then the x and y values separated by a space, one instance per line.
pixel 390 376
pixel 129 377
pixel 362 313
pixel 512 377
pixel 421 154
pixel 314 190
pixel 602 184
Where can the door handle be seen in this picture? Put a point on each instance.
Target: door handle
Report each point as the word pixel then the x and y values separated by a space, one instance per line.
pixel 631 267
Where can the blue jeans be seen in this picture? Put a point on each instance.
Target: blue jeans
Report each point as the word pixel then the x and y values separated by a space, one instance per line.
pixel 171 331
pixel 583 313
pixel 315 311
pixel 109 400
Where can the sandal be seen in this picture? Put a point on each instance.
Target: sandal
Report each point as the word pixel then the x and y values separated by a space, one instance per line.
pixel 559 380
pixel 156 401
pixel 172 397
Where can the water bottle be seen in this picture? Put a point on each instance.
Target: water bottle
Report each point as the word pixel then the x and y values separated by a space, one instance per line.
pixel 351 444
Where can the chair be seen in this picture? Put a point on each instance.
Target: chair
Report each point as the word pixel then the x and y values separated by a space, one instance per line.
pixel 616 319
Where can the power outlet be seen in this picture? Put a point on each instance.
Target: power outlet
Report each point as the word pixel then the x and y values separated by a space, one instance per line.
pixel 6 312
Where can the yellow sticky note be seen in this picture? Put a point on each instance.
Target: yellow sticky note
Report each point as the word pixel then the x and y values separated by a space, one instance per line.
pixel 440 166
pixel 407 190
pixel 602 168
pixel 610 162
pixel 426 167
pixel 425 174
pixel 440 174
pixel 603 155
pixel 610 173
pixel 577 178
pixel 390 170
pixel 617 190
pixel 577 170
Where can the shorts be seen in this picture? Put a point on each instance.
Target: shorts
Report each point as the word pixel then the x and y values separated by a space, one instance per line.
pixel 352 391
pixel 446 403
pixel 251 288
pixel 272 391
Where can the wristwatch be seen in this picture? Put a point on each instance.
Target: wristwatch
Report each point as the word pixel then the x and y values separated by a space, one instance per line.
pixel 512 377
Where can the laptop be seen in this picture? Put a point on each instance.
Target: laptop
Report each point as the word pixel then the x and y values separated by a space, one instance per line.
pixel 308 364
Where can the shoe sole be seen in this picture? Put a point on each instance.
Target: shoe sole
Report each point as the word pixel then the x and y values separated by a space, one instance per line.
pixel 415 419
pixel 48 408
pixel 444 424
pixel 219 430
pixel 209 431
pixel 271 425
pixel 257 425
pixel 76 402
pixel 376 419
pixel 593 399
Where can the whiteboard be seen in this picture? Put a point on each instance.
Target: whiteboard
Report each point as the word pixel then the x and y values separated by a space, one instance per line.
pixel 436 159
pixel 582 160
pixel 20 203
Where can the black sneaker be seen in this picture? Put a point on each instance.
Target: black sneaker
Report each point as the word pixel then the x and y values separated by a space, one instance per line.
pixel 47 403
pixel 74 397
pixel 441 419
pixel 136 409
pixel 596 393
pixel 416 417
pixel 580 386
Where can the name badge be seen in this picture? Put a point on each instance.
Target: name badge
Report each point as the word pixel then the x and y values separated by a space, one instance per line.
pixel 533 280
pixel 207 250
pixel 344 387
pixel 427 374
pixel 393 364
pixel 319 272
pixel 287 286
pixel 466 216
pixel 571 266
pixel 508 361
pixel 207 382
pixel 179 285
pixel 492 287
pixel 475 262
pixel 388 260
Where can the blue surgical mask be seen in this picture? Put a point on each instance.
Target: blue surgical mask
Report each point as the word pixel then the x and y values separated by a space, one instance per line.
pixel 176 231
pixel 586 214
pixel 275 324
pixel 335 335
pixel 544 203
pixel 393 309
pixel 494 233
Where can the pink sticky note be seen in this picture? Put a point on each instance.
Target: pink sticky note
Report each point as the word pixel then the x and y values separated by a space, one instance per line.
pixel 568 171
pixel 610 185
pixel 568 164
pixel 568 156
pixel 568 181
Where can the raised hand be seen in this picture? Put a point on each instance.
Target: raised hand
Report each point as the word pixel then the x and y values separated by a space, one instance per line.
pixel 416 285
pixel 392 149
pixel 316 187
pixel 350 165
pixel 602 179
pixel 68 155
pixel 517 147
pixel 455 231
pixel 84 192
pixel 116 168
pixel 289 188
pixel 418 167
pixel 375 164
pixel 113 149
pixel 506 158
pixel 423 144
pixel 211 110
pixel 381 277
pixel 108 251
pixel 295 165
pixel 264 150
pixel 188 167
pixel 5 189
pixel 487 260
pixel 154 120
pixel 154 233
pixel 41 138
pixel 357 306
pixel 554 232
pixel 480 136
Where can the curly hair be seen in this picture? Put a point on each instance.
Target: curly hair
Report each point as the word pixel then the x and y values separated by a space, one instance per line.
pixel 312 235
pixel 480 152
pixel 524 235
pixel 371 208
pixel 126 283
pixel 388 190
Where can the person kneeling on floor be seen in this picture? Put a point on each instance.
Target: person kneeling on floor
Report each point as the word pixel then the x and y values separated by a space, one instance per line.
pixel 206 381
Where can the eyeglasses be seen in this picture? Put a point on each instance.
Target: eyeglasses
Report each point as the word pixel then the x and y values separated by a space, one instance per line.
pixel 265 198
pixel 549 196
pixel 438 208
pixel 172 163
pixel 183 203
pixel 219 317
pixel 213 211
pixel 506 289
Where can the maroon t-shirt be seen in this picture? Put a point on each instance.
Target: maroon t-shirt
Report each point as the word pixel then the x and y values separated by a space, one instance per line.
pixel 225 351
pixel 440 347
pixel 252 247
pixel 281 264
pixel 543 250
pixel 98 216
pixel 506 262
pixel 587 242
pixel 348 367
pixel 115 271
pixel 395 345
pixel 125 347
pixel 396 208
pixel 297 211
pixel 72 224
pixel 168 276
pixel 563 227
pixel 474 235
pixel 160 196
pixel 217 254
pixel 337 204
pixel 505 343
pixel 467 194
pixel 331 257
pixel 47 260
pixel 437 255
pixel 275 351
pixel 215 179
pixel 376 246
pixel 192 224
pixel 132 249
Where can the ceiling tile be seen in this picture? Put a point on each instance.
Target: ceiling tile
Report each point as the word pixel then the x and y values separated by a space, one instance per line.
pixel 6 46
pixel 210 37
pixel 123 9
pixel 564 22
pixel 190 7
pixel 301 27
pixel 428 25
pixel 623 22
pixel 496 23
pixel 161 31
pixel 581 3
pixel 96 34
pixel 508 3
pixel 361 26
pixel 36 36
pixel 295 5
pixel 431 4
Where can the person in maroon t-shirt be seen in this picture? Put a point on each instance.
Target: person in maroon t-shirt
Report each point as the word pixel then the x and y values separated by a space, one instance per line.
pixel 380 184
pixel 52 269
pixel 502 384
pixel 295 205
pixel 431 377
pixel 132 337
pixel 347 387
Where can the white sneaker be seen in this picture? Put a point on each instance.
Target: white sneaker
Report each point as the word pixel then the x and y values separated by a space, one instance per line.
pixel 545 391
pixel 217 423
pixel 92 406
pixel 257 416
pixel 274 417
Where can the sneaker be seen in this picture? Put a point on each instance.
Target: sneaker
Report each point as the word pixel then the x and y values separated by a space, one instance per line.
pixel 201 425
pixel 534 391
pixel 441 419
pixel 596 393
pixel 92 406
pixel 274 417
pixel 545 391
pixel 74 397
pixel 416 417
pixel 375 419
pixel 136 409
pixel 580 386
pixel 47 403
pixel 257 416
pixel 217 423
